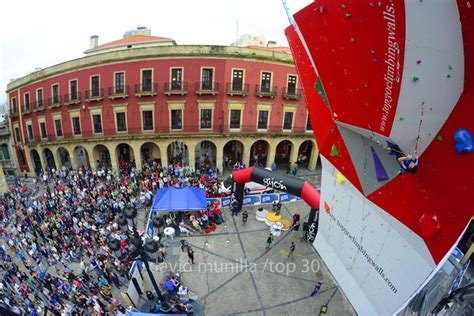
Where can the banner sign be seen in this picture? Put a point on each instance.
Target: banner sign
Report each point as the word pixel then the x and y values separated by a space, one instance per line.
pixel 269 198
pixel 285 197
pixel 252 200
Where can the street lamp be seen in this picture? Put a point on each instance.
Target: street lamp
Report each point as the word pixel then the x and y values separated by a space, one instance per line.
pixel 138 250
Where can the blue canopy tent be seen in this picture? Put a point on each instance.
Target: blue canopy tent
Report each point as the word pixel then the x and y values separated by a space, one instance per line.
pixel 179 199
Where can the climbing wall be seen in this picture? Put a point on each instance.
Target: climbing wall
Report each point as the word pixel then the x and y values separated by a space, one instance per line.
pixel 376 73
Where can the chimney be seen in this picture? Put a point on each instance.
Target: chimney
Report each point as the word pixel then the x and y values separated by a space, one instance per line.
pixel 94 41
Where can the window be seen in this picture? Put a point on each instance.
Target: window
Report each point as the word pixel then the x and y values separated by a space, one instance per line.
pixel 55 88
pixel 207 79
pixel 22 157
pixel 266 82
pixel 237 80
pixel 39 98
pixel 27 102
pixel 6 152
pixel 76 125
pixel 176 78
pixel 234 119
pixel 308 125
pixel 119 83
pixel 291 85
pixel 29 128
pixel 43 130
pixel 59 128
pixel 176 119
pixel 121 122
pixel 97 123
pixel 147 120
pixel 17 134
pixel 95 86
pixel 147 80
pixel 206 118
pixel 262 119
pixel 73 89
pixel 14 105
pixel 288 120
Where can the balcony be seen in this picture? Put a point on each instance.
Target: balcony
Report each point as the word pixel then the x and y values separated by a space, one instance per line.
pixel 54 102
pixel 7 163
pixel 118 92
pixel 265 91
pixel 31 141
pixel 38 105
pixel 176 88
pixel 13 114
pixel 241 90
pixel 146 90
pixel 292 94
pixel 73 98
pixel 94 95
pixel 27 109
pixel 207 88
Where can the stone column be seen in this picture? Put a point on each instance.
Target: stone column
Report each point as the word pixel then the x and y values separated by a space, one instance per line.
pixel 191 154
pixel 138 155
pixel 164 153
pixel 57 158
pixel 314 158
pixel 44 164
pixel 220 157
pixel 72 155
pixel 113 157
pixel 271 153
pixel 294 154
pixel 246 152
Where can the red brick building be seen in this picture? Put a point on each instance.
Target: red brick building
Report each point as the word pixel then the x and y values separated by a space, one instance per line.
pixel 145 98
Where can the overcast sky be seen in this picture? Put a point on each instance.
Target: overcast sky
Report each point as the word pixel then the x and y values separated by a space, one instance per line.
pixel 37 33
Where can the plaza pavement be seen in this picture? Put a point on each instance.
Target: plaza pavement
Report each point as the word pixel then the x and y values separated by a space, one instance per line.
pixel 234 274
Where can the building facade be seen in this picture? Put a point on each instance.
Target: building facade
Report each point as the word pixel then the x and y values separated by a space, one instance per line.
pixel 7 160
pixel 203 105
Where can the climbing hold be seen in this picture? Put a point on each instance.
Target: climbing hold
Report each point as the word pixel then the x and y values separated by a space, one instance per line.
pixel 415 79
pixel 326 207
pixel 334 151
pixel 439 138
pixel 418 61
pixel 372 52
pixel 464 142
pixel 334 114
pixel 372 5
pixel 450 67
pixel 380 172
pixel 366 85
pixel 448 76
pixel 348 15
pixel 401 118
pixel 343 6
pixel 353 40
pixel 340 178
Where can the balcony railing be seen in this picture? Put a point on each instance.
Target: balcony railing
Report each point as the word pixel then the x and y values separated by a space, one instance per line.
pixel 211 88
pixel 54 102
pixel 37 105
pixel 146 90
pixel 294 94
pixel 118 92
pixel 265 91
pixel 30 141
pixel 176 88
pixel 73 98
pixel 94 95
pixel 237 90
pixel 27 109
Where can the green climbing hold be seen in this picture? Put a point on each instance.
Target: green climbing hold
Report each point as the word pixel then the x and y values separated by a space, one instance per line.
pixel 334 151
pixel 401 118
pixel 415 79
pixel 439 138
pixel 450 67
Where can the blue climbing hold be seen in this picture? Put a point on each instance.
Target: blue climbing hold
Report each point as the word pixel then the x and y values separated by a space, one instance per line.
pixel 464 142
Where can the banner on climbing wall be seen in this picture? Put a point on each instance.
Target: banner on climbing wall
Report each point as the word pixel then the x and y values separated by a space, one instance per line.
pixel 252 200
pixel 269 198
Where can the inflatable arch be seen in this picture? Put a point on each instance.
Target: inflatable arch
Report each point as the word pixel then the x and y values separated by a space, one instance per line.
pixel 281 182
